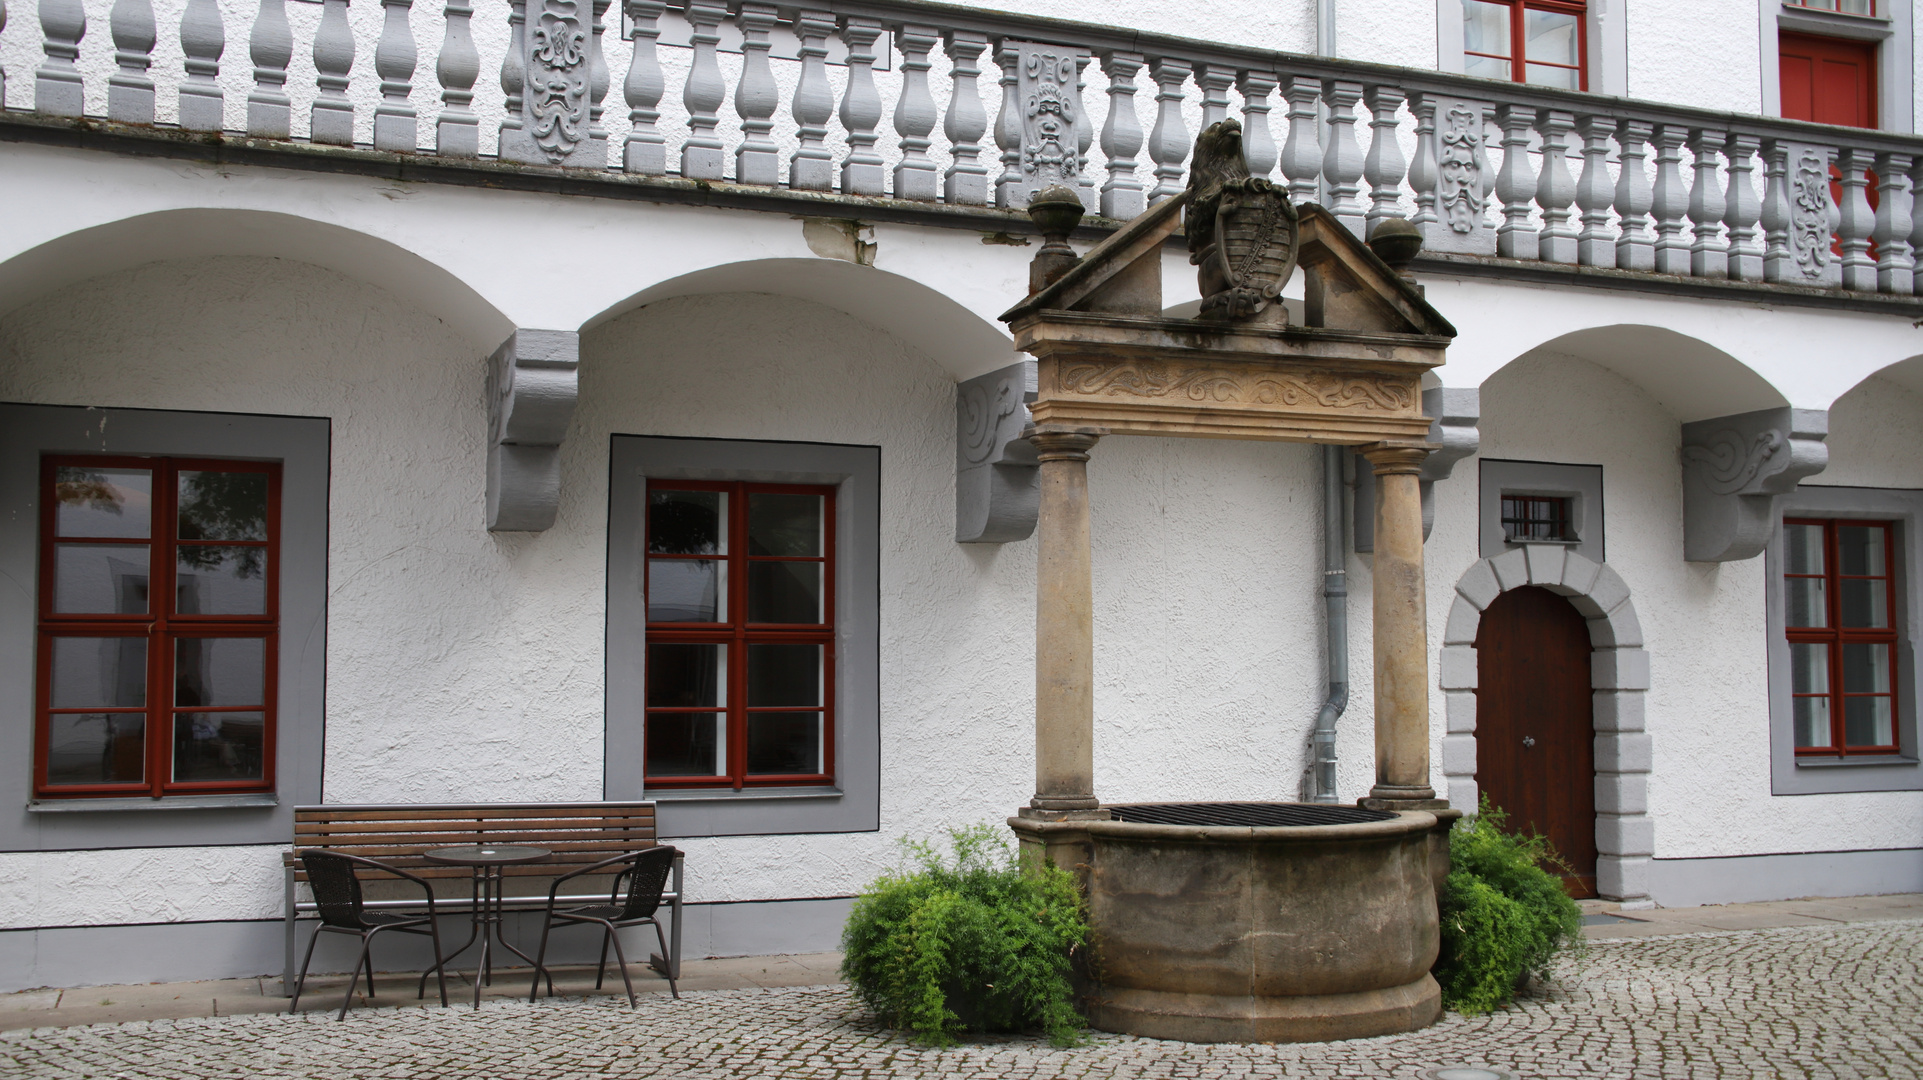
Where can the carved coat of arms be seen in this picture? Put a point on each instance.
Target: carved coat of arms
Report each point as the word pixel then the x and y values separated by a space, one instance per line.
pixel 1241 228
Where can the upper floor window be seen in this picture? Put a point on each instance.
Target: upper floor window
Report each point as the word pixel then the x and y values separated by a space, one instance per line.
pixel 158 612
pixel 1840 618
pixel 1847 7
pixel 1541 42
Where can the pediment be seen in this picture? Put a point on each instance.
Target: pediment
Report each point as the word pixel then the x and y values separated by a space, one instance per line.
pixel 1122 275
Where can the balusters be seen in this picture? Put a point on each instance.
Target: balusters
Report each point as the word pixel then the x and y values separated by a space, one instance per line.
pixel 332 120
pixel 57 89
pixel 1859 270
pixel 1635 247
pixel 394 60
pixel 1008 125
pixel 1168 140
pixel 1302 153
pixel 966 181
pixel 1556 190
pixel 702 156
pixel 1423 172
pixel 1741 208
pixel 203 37
pixel 758 160
pixel 1342 161
pixel 513 69
pixel 1258 139
pixel 1778 263
pixel 861 170
pixel 915 176
pixel 1916 227
pixel 1516 237
pixel 3 72
pixel 1385 165
pixel 1084 134
pixel 598 79
pixel 1214 81
pixel 130 91
pixel 1595 193
pixel 1708 255
pixel 1122 138
pixel 812 168
pixel 270 113
pixel 1671 201
pixel 457 132
pixel 1895 260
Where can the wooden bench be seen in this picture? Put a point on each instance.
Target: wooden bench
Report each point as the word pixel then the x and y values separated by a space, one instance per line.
pixel 578 833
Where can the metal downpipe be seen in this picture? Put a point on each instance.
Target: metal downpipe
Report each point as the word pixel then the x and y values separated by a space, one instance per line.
pixel 1335 598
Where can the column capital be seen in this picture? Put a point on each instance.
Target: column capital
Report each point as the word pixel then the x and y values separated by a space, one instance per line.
pixel 1390 459
pixel 1064 444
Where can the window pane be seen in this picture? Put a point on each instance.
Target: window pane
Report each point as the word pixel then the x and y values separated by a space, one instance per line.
pixel 1866 668
pixel 686 744
pixel 1545 75
pixel 223 506
pixel 784 675
pixel 212 580
pixel 1485 29
pixel 99 673
pixel 1864 602
pixel 96 748
pixel 784 743
pixel 1803 545
pixel 1808 604
pixel 220 746
pixel 1813 722
pixel 1550 37
pixel 687 676
pixel 100 579
pixel 1866 722
pixel 1809 668
pixel 220 671
pixel 784 592
pixel 1859 550
pixel 784 524
pixel 687 590
pixel 688 522
pixel 102 502
pixel 1483 67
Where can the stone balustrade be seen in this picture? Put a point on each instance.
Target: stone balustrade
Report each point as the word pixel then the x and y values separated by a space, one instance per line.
pixel 755 94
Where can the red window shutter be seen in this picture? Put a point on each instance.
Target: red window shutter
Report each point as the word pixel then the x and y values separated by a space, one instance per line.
pixel 1828 80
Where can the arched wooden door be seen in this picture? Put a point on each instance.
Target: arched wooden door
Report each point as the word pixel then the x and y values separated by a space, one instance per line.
pixel 1535 743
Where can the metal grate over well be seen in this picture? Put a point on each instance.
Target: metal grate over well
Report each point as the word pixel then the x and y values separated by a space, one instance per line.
pixel 1246 813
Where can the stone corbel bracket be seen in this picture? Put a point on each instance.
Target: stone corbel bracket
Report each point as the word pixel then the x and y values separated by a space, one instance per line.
pixel 1735 468
pixel 532 387
pixel 1453 414
pixel 997 492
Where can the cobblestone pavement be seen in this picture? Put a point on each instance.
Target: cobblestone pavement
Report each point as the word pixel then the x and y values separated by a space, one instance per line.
pixel 1841 1002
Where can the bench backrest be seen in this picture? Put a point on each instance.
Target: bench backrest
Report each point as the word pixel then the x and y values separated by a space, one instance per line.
pixel 577 833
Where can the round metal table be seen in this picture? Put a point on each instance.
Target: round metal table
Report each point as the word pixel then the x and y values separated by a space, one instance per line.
pixel 487 862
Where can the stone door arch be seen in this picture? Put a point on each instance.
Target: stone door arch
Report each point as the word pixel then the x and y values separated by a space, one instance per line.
pixel 1619 675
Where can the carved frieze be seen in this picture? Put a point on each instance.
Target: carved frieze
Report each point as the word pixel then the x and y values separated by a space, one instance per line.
pixel 554 108
pixel 1216 385
pixel 1458 159
pixel 1734 470
pixel 996 493
pixel 532 387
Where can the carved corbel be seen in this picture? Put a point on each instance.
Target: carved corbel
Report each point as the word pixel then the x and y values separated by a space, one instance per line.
pixel 997 496
pixel 1735 468
pixel 531 392
pixel 1453 414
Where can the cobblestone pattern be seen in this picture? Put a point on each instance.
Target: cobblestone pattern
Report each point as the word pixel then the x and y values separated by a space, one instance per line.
pixel 1800 1002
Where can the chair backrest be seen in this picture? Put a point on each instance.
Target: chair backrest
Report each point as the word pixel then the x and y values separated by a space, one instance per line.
pixel 400 835
pixel 337 891
pixel 647 879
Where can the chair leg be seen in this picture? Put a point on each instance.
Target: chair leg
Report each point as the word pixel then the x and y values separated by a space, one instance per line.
pixel 540 955
pixel 302 981
pixel 666 962
pixel 369 957
pixel 601 966
pixel 440 966
pixel 353 981
pixel 622 959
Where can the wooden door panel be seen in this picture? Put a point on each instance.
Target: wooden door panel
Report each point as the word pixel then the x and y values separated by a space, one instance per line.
pixel 1535 739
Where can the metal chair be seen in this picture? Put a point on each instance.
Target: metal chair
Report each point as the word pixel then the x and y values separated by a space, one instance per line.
pixel 337 893
pixel 646 874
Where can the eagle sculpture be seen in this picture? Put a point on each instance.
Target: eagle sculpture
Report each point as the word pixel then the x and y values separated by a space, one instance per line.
pixel 1241 228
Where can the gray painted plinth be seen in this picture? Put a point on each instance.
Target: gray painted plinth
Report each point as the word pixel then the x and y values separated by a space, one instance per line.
pixel 1745 879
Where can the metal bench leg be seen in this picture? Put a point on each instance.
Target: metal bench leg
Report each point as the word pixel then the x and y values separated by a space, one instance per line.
pixel 287 967
pixel 674 958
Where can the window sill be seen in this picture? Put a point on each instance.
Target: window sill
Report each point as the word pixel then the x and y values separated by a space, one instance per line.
pixel 1848 762
pixel 143 803
pixel 1570 543
pixel 730 795
pixel 1801 20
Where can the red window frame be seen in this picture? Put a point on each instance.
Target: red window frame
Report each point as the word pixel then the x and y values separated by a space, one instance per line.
pixel 737 633
pixel 1518 41
pixel 1836 635
pixel 160 626
pixel 1831 5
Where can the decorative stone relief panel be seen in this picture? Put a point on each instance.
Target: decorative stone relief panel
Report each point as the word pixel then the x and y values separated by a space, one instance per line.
pixel 554 53
pixel 1736 469
pixel 1043 131
pixel 1812 213
pixel 1454 413
pixel 532 388
pixel 1453 155
pixel 997 496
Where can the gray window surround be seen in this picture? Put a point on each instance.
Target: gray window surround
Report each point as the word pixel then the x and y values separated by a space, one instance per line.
pixel 1892 33
pixel 853 804
pixel 1902 772
pixel 1606 30
pixel 1582 485
pixel 302 445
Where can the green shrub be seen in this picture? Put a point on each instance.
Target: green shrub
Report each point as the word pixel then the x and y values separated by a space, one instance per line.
pixel 979 944
pixel 1503 913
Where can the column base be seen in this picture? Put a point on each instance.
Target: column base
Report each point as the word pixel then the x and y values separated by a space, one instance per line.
pixel 1420 802
pixel 1158 1014
pixel 1043 805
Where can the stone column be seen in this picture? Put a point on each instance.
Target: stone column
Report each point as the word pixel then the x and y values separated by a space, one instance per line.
pixel 1064 630
pixel 1401 633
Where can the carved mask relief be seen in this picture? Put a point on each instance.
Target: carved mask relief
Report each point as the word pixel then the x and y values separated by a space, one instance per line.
pixel 1051 117
pixel 1459 164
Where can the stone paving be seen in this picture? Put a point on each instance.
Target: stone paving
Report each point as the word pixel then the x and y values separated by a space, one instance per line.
pixel 1842 1001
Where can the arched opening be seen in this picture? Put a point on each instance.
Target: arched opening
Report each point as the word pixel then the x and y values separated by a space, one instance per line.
pixel 1691 378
